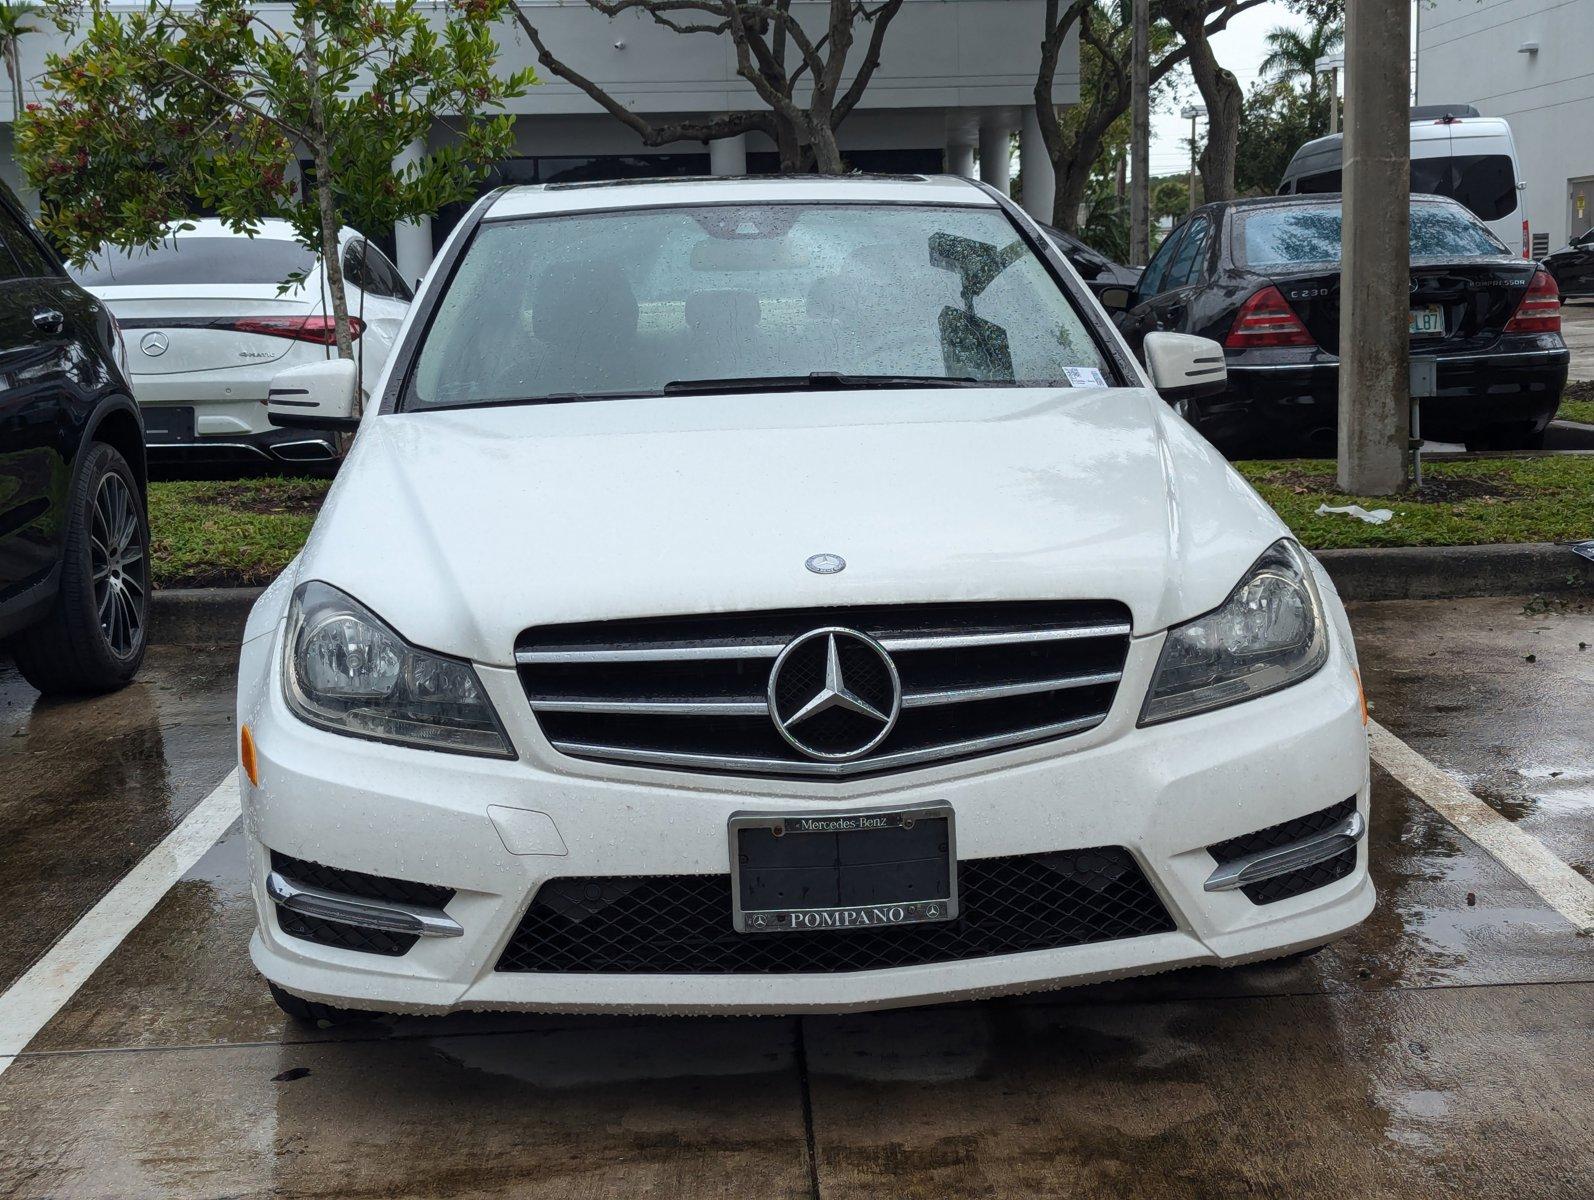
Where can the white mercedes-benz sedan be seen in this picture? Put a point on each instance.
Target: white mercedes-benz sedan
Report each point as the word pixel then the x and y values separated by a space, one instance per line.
pixel 761 596
pixel 209 317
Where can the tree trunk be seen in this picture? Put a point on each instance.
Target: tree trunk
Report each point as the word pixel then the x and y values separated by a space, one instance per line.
pixel 1224 100
pixel 826 149
pixel 330 225
pixel 14 69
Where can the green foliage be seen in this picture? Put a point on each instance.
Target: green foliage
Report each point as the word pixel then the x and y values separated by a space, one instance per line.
pixel 1277 119
pixel 1170 198
pixel 155 109
pixel 15 24
pixel 238 533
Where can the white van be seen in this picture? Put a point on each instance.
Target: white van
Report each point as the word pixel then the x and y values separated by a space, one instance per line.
pixel 1469 158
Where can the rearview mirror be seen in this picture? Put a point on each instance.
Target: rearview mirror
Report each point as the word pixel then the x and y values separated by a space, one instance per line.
pixel 318 395
pixel 1183 367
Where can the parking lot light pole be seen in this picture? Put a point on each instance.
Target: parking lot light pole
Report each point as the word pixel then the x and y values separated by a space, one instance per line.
pixel 1192 113
pixel 1331 65
pixel 1375 280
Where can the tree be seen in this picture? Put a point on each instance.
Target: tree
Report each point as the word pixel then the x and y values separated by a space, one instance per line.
pixel 1278 119
pixel 155 109
pixel 1292 54
pixel 1074 138
pixel 797 76
pixel 14 27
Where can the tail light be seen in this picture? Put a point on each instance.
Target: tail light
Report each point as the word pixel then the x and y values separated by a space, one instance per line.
pixel 1527 240
pixel 1266 319
pixel 320 330
pixel 1540 308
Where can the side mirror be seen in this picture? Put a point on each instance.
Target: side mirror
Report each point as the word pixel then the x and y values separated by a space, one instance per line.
pixel 1183 367
pixel 1115 299
pixel 318 395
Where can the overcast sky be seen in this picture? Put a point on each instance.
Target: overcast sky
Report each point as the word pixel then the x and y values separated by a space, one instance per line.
pixel 1241 48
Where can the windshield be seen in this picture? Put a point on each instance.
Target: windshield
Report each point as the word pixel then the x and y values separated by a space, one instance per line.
pixel 648 301
pixel 198 260
pixel 1301 233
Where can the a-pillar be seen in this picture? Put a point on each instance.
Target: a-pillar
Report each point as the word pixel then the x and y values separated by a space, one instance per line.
pixel 1040 181
pixel 728 155
pixel 412 239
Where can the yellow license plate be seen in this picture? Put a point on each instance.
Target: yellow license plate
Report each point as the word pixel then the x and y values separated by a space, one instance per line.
pixel 1428 321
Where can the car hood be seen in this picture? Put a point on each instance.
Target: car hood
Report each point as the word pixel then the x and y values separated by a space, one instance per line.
pixel 462 528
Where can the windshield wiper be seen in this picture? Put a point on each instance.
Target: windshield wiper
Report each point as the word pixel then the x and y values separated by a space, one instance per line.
pixel 815 381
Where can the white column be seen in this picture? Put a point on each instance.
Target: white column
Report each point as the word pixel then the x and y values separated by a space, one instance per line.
pixel 1040 181
pixel 412 239
pixel 728 155
pixel 960 159
pixel 996 131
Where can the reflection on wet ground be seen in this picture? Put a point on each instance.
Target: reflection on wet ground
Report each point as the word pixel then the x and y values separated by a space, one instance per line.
pixel 1446 1048
pixel 1500 692
pixel 88 786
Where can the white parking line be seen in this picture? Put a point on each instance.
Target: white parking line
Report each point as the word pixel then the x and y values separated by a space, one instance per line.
pixel 1562 888
pixel 29 1003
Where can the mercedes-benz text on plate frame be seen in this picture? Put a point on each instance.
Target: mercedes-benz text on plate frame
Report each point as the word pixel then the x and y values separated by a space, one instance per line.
pixel 1075 705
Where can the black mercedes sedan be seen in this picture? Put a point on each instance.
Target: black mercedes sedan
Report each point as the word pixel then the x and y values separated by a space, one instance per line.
pixel 1261 276
pixel 1573 266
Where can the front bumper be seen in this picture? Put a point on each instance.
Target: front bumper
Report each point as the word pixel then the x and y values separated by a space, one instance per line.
pixel 495 831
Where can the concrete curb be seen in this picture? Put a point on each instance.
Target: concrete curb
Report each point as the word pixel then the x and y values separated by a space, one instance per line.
pixel 201 616
pixel 216 616
pixel 1452 572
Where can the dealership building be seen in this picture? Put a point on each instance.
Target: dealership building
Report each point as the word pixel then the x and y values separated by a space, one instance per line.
pixel 1528 61
pixel 955 85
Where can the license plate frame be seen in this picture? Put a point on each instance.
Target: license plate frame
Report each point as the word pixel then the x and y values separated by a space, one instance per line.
pixel 873 913
pixel 1433 326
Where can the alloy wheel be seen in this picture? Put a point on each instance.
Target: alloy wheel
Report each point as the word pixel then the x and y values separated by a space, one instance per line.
pixel 117 557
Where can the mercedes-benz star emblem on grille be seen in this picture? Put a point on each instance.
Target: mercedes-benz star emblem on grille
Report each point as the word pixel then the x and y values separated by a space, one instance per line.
pixel 826 564
pixel 153 344
pixel 834 694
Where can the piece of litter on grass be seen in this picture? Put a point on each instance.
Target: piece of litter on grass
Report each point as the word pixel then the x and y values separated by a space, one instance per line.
pixel 1586 549
pixel 1377 517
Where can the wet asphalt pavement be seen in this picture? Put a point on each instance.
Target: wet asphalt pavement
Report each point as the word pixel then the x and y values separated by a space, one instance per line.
pixel 1446 1048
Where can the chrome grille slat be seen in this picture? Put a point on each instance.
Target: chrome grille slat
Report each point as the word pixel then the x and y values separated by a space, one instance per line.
pixel 779 766
pixel 657 708
pixel 999 691
pixel 892 642
pixel 691 692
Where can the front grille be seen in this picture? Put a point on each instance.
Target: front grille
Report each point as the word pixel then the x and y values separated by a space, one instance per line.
pixel 681 924
pixel 1306 879
pixel 342 934
pixel 691 693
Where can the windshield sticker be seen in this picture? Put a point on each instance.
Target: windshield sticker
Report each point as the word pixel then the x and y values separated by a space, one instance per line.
pixel 1085 376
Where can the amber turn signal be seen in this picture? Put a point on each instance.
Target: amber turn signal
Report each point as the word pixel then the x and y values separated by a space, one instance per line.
pixel 246 755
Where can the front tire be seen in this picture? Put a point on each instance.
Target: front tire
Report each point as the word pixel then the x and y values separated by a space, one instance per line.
pixel 94 637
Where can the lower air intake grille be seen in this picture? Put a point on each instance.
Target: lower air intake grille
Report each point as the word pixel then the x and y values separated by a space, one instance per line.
pixel 352 883
pixel 681 924
pixel 1291 883
pixel 694 692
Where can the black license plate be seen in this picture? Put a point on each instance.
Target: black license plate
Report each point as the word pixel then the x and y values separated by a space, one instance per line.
pixel 857 870
pixel 168 424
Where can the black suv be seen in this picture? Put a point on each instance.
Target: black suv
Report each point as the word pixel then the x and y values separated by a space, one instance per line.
pixel 74 530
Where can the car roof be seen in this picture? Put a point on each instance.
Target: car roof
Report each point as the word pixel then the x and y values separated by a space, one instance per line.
pixel 538 199
pixel 1246 203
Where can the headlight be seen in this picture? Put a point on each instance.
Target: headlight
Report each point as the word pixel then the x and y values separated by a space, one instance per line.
pixel 1268 634
pixel 345 670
